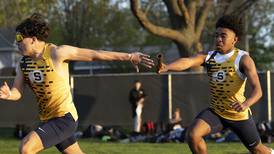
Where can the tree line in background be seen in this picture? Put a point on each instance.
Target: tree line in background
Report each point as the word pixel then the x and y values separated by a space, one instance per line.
pixel 125 25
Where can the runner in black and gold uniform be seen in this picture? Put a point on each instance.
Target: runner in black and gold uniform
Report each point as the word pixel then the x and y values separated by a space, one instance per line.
pixel 228 69
pixel 44 68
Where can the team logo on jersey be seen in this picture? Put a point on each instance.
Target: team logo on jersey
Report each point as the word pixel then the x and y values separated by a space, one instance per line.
pixel 36 76
pixel 219 76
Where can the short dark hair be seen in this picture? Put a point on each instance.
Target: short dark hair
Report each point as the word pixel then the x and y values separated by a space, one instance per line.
pixel 231 22
pixel 36 26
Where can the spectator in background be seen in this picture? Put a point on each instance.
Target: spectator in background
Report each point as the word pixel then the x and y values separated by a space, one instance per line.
pixel 176 121
pixel 136 98
pixel 174 131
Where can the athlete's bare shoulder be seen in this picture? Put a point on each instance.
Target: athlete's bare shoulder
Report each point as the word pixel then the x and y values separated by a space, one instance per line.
pixel 246 63
pixel 60 53
pixel 65 47
pixel 52 47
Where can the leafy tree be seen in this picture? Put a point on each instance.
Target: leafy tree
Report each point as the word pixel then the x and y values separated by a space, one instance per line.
pixel 13 11
pixel 261 34
pixel 96 24
pixel 187 19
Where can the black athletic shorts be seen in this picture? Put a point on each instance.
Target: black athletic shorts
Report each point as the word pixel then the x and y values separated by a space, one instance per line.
pixel 245 129
pixel 58 132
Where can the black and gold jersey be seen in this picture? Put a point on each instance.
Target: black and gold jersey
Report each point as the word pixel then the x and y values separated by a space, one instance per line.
pixel 227 83
pixel 52 90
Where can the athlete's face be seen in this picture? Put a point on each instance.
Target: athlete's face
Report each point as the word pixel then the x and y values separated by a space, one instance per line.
pixel 225 39
pixel 25 45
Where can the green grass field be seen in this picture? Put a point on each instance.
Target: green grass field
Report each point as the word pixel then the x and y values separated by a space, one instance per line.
pixel 10 146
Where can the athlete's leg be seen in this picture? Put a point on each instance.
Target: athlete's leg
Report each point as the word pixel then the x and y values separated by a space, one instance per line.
pixel 31 144
pixel 247 132
pixel 50 133
pixel 73 149
pixel 69 146
pixel 205 123
pixel 260 149
pixel 195 135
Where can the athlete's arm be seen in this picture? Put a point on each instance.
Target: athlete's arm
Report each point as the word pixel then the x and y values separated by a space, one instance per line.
pixel 184 63
pixel 16 91
pixel 66 52
pixel 247 66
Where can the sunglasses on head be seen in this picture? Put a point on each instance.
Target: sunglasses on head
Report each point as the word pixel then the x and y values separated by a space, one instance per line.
pixel 19 37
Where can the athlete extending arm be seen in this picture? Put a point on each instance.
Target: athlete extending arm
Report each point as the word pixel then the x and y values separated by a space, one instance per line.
pixel 67 53
pixel 64 53
pixel 184 63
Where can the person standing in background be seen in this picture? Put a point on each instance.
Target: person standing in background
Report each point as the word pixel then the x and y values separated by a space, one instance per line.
pixel 136 98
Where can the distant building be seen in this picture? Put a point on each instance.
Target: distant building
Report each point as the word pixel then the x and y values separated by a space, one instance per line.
pixel 8 52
